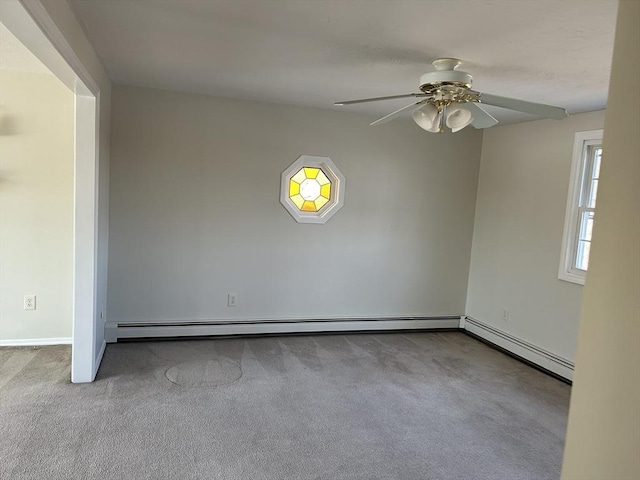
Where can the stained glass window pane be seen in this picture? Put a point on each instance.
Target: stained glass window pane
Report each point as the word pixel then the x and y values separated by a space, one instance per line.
pixel 309 206
pixel 299 177
pixel 294 188
pixel 310 172
pixel 322 178
pixel 298 200
pixel 320 202
pixel 310 189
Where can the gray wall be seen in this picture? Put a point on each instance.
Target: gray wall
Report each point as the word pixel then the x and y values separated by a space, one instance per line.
pixel 195 213
pixel 522 195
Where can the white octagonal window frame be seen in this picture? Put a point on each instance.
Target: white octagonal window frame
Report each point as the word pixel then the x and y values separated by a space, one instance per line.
pixel 336 196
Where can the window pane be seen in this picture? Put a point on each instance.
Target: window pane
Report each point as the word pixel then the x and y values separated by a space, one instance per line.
pixel 583 191
pixel 311 172
pixel 298 200
pixel 320 202
pixel 586 226
pixel 310 189
pixel 589 229
pixel 325 190
pixel 582 258
pixel 591 173
pixel 596 162
pixel 299 177
pixel 309 206
pixel 294 188
pixel 322 178
pixel 591 201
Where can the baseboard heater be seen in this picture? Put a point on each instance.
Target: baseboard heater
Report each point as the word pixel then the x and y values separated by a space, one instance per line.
pixel 255 327
pixel 519 348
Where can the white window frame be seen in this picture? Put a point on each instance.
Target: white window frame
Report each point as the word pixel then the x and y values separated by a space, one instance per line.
pixel 582 144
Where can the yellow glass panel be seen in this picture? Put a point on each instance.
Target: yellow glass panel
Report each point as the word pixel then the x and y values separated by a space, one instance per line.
pixel 294 188
pixel 322 178
pixel 325 190
pixel 320 202
pixel 299 177
pixel 311 172
pixel 309 206
pixel 298 200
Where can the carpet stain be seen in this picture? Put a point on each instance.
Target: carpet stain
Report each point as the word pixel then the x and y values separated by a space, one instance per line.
pixel 209 373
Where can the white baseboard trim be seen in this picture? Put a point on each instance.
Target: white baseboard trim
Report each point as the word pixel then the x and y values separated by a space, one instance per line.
pixel 528 351
pixel 215 328
pixel 32 342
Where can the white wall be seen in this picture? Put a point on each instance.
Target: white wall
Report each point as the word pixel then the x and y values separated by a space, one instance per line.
pixel 522 194
pixel 195 213
pixel 36 206
pixel 603 438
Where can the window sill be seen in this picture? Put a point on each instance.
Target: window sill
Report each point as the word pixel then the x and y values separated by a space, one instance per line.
pixel 572 277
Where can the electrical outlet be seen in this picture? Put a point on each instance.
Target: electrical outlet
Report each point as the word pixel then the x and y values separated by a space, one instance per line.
pixel 505 314
pixel 29 302
pixel 232 300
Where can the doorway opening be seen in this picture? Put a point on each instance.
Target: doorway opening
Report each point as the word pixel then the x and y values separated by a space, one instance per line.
pixel 32 26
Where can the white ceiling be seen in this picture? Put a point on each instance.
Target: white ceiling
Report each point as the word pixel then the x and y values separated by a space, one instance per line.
pixel 15 56
pixel 313 53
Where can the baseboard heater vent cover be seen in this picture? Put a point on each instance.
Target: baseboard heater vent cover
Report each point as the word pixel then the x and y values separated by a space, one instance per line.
pixel 527 351
pixel 256 327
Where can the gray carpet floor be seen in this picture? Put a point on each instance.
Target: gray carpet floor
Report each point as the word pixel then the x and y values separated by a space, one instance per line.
pixel 362 406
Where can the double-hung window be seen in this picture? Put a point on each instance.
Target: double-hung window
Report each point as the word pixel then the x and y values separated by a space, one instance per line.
pixel 581 206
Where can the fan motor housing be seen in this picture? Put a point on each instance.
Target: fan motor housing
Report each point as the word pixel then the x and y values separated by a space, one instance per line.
pixel 430 81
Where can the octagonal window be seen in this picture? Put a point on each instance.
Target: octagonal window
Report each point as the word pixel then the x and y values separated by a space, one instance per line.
pixel 312 189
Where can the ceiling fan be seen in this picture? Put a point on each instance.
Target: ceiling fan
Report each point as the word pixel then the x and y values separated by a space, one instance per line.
pixel 447 100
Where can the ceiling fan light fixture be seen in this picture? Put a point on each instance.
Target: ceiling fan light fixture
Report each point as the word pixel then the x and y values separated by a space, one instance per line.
pixel 458 117
pixel 428 118
pixel 448 101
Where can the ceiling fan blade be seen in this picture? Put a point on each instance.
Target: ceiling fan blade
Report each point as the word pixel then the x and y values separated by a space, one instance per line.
pixel 397 113
pixel 377 99
pixel 481 118
pixel 539 109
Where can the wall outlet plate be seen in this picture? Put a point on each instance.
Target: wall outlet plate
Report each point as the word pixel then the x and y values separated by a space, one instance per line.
pixel 29 302
pixel 232 300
